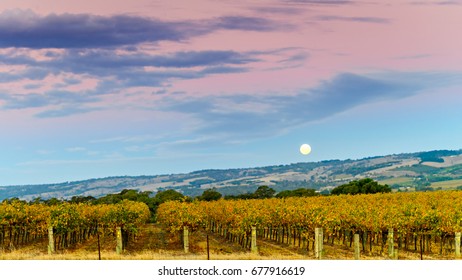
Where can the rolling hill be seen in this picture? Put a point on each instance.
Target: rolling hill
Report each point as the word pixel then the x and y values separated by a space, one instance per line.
pixel 424 171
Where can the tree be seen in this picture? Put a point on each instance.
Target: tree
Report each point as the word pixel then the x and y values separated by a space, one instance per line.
pixel 37 200
pixel 301 192
pixel 53 201
pixel 240 196
pixel 210 195
pixel 264 192
pixel 163 196
pixel 82 199
pixel 362 186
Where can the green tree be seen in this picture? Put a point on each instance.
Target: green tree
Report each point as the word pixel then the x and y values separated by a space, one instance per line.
pixel 362 186
pixel 53 201
pixel 210 195
pixel 82 199
pixel 264 192
pixel 126 194
pixel 167 195
pixel 240 196
pixel 37 200
pixel 301 192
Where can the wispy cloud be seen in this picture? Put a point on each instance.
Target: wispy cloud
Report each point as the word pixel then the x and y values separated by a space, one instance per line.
pixel 80 47
pixel 412 57
pixel 112 72
pixel 454 2
pixel 439 3
pixel 126 139
pixel 31 73
pixel 44 152
pixel 246 23
pixel 64 111
pixel 108 59
pixel 26 29
pixel 54 97
pixel 352 19
pixel 262 116
pixel 76 149
pixel 284 10
pixel 320 2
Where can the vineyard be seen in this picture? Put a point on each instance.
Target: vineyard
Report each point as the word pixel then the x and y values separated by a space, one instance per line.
pixel 423 224
pixel 419 221
pixel 67 224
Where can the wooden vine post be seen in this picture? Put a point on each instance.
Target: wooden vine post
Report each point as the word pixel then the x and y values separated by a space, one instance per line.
pixel 457 243
pixel 208 247
pixel 186 239
pixel 98 239
pixel 253 244
pixel 391 245
pixel 51 241
pixel 356 244
pixel 318 239
pixel 119 246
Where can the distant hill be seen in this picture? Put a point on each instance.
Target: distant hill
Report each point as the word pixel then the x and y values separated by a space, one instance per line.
pixel 424 171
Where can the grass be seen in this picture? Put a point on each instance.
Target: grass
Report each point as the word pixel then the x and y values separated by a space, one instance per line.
pixel 342 176
pixel 418 168
pixel 451 184
pixel 397 180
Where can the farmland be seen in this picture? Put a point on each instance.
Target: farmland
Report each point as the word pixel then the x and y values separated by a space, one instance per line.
pixel 417 225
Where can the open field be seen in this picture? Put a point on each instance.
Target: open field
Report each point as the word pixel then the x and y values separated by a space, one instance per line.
pixel 446 185
pixel 397 180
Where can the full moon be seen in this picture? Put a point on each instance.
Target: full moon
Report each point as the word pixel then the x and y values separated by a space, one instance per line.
pixel 305 149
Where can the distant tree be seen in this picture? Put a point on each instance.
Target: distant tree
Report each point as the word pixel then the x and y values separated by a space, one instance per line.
pixel 82 199
pixel 210 195
pixel 109 199
pixel 37 200
pixel 53 201
pixel 301 192
pixel 324 192
pixel 261 192
pixel 11 200
pixel 264 192
pixel 129 194
pixel 363 186
pixel 240 196
pixel 424 189
pixel 167 195
pixel 284 194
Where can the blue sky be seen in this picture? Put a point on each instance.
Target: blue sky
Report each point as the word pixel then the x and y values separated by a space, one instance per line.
pixel 155 87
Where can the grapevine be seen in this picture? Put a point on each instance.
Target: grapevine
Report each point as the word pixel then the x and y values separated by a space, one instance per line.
pixel 22 223
pixel 436 213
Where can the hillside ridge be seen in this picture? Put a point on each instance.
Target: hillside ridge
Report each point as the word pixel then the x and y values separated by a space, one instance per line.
pixel 404 172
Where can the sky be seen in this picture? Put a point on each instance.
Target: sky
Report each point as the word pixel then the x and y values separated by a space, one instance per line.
pixel 94 88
